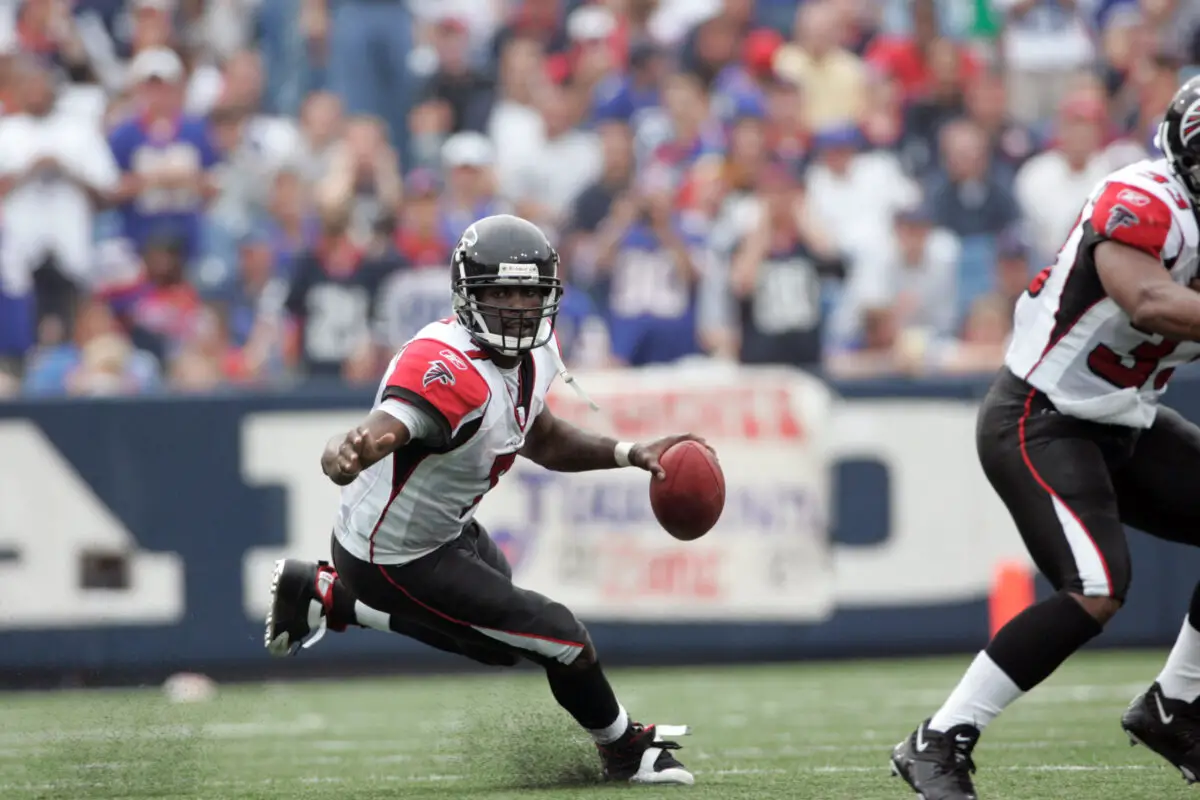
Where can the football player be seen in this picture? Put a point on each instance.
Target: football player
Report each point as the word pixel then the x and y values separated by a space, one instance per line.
pixel 455 408
pixel 1073 439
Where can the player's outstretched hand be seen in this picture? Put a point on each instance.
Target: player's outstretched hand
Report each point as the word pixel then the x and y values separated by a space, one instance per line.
pixel 357 450
pixel 645 456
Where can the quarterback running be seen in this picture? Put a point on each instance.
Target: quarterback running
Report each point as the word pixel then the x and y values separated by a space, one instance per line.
pixel 1074 441
pixel 457 405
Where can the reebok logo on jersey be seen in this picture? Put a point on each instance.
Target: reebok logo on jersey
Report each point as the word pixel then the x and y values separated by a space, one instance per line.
pixel 1134 198
pixel 1120 217
pixel 438 372
pixel 454 360
pixel 1190 128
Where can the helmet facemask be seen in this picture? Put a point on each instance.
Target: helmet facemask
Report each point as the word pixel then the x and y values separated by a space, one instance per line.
pixel 509 330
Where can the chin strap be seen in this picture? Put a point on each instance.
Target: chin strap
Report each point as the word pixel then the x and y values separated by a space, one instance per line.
pixel 569 379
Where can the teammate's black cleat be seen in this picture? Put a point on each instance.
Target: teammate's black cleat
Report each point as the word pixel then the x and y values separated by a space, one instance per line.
pixel 938 766
pixel 1169 727
pixel 641 756
pixel 297 615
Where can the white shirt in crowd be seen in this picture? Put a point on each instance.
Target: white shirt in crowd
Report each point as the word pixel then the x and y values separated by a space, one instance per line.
pixel 1051 194
pixel 859 205
pixel 50 215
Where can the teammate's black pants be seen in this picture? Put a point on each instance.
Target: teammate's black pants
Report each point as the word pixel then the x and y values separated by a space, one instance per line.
pixel 460 598
pixel 1071 484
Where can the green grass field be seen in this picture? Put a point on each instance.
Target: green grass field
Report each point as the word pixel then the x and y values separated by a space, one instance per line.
pixel 804 731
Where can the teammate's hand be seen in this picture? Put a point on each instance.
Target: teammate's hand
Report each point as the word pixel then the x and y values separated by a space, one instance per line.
pixel 358 450
pixel 645 456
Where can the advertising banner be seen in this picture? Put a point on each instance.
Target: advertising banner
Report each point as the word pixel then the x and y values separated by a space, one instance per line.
pixel 590 540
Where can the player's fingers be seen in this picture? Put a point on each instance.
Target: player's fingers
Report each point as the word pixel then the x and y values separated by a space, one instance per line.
pixel 347 466
pixel 656 469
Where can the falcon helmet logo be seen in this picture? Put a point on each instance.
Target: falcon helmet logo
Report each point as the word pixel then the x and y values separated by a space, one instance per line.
pixel 438 372
pixel 1189 129
pixel 1120 217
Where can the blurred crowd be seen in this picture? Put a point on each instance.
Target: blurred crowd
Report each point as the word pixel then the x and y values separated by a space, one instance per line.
pixel 199 195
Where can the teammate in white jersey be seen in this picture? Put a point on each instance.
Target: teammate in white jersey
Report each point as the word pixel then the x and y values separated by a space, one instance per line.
pixel 1073 439
pixel 456 407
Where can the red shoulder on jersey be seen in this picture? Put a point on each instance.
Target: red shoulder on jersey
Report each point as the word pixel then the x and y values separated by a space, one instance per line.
pixel 441 375
pixel 1133 217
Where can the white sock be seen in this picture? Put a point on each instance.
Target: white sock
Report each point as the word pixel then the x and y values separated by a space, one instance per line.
pixel 371 618
pixel 1180 676
pixel 984 691
pixel 612 732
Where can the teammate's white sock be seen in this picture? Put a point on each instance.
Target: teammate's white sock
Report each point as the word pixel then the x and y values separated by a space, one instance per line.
pixel 984 691
pixel 371 618
pixel 612 732
pixel 1180 677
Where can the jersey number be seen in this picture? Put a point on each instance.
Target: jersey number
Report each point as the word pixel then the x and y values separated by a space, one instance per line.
pixel 501 465
pixel 1103 361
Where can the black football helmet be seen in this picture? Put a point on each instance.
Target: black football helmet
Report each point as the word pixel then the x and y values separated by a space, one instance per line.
pixel 1179 136
pixel 505 251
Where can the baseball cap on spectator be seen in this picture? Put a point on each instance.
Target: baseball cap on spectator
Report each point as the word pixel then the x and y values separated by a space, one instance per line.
pixel 758 51
pixel 422 182
pixel 914 214
pixel 1012 243
pixel 156 63
pixel 590 23
pixel 467 149
pixel 845 135
pixel 451 20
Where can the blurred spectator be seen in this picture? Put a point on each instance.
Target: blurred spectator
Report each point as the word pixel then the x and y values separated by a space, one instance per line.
pixel 650 277
pixel 55 168
pixel 941 101
pixel 364 177
pixel 415 296
pixel 567 161
pixel 458 94
pixel 292 225
pixel 369 43
pixel 515 127
pixel 693 132
pixel 773 284
pixel 419 237
pixel 1052 187
pixel 333 299
pixel 1009 142
pixel 593 204
pixel 98 359
pixel 968 195
pixel 321 127
pixel 856 193
pixel 916 281
pixel 1045 42
pixel 470 194
pixel 159 309
pixel 165 158
pixel 253 349
pixel 596 48
pixel 46 29
pixel 923 62
pixel 539 20
pixel 832 78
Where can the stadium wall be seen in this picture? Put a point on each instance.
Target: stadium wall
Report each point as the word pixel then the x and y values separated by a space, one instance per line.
pixel 136 536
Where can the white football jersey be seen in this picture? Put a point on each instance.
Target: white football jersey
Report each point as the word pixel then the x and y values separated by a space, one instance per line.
pixel 421 496
pixel 1074 343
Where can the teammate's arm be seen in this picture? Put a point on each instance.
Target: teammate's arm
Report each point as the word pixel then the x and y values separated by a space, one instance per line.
pixel 1143 288
pixel 560 446
pixel 380 435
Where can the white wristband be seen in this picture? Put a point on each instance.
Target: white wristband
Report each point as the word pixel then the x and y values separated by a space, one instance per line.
pixel 621 453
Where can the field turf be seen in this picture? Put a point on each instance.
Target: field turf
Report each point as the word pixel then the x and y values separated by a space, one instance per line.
pixel 767 733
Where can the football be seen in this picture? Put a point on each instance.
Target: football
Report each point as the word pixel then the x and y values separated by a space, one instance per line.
pixel 689 500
